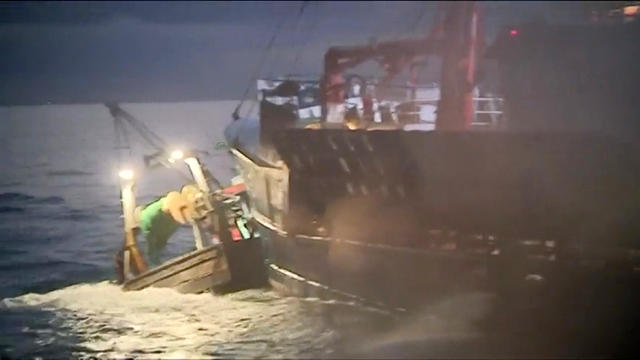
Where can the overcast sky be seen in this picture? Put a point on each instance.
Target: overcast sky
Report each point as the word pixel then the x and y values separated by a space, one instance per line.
pixel 88 52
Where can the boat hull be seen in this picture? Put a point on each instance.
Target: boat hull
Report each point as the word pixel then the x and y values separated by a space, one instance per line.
pixel 194 272
pixel 375 215
pixel 376 274
pixel 380 276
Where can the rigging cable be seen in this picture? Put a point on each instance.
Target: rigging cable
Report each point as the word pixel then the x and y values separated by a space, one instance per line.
pixel 121 140
pixel 276 59
pixel 296 24
pixel 152 139
pixel 306 40
pixel 414 27
pixel 259 66
pixel 296 28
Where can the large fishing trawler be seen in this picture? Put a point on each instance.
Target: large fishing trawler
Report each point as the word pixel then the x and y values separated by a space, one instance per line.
pixel 397 201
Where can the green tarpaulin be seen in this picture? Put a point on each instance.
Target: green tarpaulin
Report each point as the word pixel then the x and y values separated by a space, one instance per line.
pixel 157 227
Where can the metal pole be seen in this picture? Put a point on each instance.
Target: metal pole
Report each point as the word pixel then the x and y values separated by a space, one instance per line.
pixel 197 173
pixel 461 46
pixel 197 234
pixel 128 209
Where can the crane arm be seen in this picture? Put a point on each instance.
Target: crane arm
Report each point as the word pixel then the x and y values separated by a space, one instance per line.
pixel 457 38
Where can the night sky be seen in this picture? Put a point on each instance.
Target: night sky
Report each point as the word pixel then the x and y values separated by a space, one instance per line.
pixel 89 52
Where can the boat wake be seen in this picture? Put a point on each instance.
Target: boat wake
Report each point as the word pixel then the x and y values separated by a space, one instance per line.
pixel 105 321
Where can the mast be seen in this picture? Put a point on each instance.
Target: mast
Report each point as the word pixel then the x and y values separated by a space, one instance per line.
pixel 462 42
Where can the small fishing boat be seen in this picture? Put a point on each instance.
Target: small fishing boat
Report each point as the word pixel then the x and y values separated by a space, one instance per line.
pixel 227 251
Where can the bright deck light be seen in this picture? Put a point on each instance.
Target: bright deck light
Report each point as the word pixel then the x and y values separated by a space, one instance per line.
pixel 176 155
pixel 126 174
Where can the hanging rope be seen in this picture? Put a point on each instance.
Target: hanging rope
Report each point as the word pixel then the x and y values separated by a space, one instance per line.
pixel 294 31
pixel 259 66
pixel 152 139
pixel 276 59
pixel 121 139
pixel 416 23
pixel 306 40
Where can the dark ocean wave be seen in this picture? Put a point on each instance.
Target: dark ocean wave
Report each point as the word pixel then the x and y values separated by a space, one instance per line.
pixel 13 197
pixel 52 207
pixel 32 264
pixel 69 173
pixel 37 165
pixel 9 184
pixel 9 253
pixel 75 215
pixel 49 200
pixel 11 209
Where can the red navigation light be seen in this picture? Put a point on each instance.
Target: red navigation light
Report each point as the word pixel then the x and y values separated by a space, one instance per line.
pixel 513 32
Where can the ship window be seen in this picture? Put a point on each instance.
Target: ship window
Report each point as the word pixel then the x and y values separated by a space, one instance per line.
pixel 309 97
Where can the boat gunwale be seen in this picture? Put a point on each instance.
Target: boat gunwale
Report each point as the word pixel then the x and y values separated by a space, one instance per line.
pixel 213 249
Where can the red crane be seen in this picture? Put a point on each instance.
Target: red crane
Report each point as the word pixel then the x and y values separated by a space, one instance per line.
pixel 457 38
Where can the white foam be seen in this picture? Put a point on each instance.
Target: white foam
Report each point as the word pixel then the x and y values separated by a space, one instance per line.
pixel 155 323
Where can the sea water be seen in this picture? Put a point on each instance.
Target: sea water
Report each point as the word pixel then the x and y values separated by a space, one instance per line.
pixel 60 227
